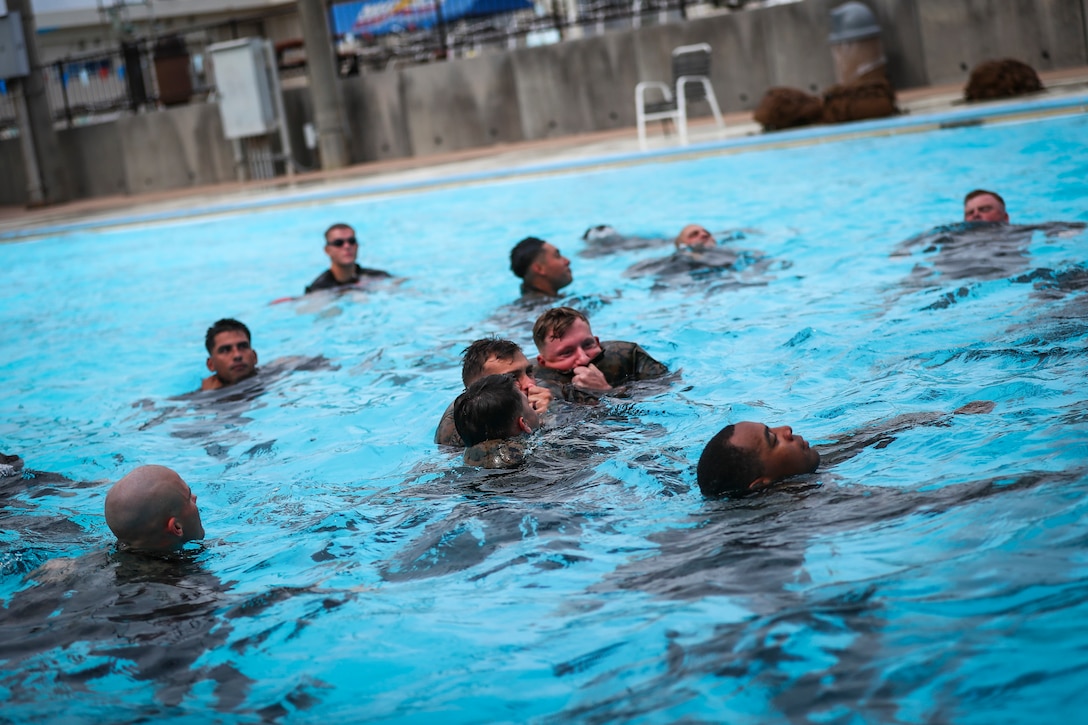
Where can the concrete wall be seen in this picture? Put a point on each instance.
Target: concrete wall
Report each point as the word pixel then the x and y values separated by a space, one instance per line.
pixel 170 149
pixel 578 86
pixel 1042 33
pixel 588 85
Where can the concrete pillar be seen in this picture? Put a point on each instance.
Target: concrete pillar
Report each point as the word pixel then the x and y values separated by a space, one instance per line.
pixel 1084 21
pixel 41 150
pixel 320 66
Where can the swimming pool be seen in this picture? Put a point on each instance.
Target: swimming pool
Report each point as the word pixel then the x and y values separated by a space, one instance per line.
pixel 354 572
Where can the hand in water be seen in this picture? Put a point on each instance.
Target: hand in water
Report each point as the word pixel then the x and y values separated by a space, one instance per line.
pixel 539 398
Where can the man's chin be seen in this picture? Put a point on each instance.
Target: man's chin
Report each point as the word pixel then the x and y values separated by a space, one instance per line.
pixel 239 376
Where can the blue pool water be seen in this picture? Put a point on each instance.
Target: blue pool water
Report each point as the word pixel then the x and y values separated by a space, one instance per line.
pixel 353 572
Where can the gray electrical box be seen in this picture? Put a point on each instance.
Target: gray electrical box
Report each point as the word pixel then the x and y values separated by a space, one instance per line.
pixel 13 60
pixel 245 86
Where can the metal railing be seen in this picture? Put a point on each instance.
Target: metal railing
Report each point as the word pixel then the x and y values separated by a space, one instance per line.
pixel 102 85
pixel 139 73
pixel 373 34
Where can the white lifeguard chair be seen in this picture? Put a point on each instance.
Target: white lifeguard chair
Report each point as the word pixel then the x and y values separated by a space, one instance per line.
pixel 691 82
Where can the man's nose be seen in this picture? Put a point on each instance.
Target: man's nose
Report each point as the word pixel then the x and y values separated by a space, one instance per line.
pixel 525 382
pixel 581 357
pixel 786 432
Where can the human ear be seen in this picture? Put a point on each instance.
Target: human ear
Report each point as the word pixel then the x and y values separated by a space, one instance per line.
pixel 211 368
pixel 523 425
pixel 540 360
pixel 759 483
pixel 174 527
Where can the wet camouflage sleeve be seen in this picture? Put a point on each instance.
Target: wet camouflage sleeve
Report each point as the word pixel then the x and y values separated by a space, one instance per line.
pixel 446 434
pixel 508 453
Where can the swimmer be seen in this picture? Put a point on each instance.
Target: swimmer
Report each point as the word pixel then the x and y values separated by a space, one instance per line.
pixel 695 237
pixel 491 412
pixel 984 206
pixel 10 466
pixel 751 456
pixel 231 357
pixel 342 246
pixel 152 509
pixel 603 239
pixel 572 358
pixel 542 269
pixel 493 356
pixel 599 232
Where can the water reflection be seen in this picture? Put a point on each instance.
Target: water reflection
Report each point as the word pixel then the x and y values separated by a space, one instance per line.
pixel 976 251
pixel 808 649
pixel 217 417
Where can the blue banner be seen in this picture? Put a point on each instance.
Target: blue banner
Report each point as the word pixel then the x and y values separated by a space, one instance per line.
pixel 380 17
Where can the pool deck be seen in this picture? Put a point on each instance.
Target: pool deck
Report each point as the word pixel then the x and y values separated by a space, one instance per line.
pixel 923 108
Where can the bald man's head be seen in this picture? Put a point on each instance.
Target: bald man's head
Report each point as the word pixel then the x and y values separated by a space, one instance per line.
pixel 152 508
pixel 694 236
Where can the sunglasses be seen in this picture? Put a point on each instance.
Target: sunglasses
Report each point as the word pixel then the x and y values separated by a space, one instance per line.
pixel 341 242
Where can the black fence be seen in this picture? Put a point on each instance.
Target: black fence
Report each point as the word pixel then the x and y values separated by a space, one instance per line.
pixel 138 74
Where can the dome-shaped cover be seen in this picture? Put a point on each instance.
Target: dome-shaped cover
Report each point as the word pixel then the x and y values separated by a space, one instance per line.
pixel 852 21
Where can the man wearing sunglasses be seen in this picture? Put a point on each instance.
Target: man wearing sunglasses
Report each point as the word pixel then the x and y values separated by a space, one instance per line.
pixel 342 248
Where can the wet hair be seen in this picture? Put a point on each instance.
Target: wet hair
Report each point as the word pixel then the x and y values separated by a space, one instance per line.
pixel 479 352
pixel 599 231
pixel 524 254
pixel 488 410
pixel 227 324
pixel 979 192
pixel 334 227
pixel 554 323
pixel 724 469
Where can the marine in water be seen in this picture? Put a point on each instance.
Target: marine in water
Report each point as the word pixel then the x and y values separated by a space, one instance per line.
pixel 697 257
pixel 543 270
pixel 342 248
pixel 493 356
pixel 153 509
pixel 578 366
pixel 492 416
pixel 981 205
pixel 602 239
pixel 747 456
pixel 231 356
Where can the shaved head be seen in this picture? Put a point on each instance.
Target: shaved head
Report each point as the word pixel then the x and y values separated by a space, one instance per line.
pixel 152 508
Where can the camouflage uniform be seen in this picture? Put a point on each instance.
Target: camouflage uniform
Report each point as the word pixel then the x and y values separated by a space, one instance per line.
pixel 620 362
